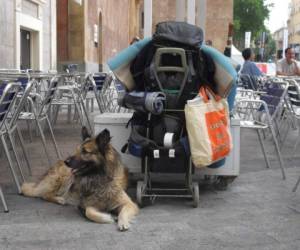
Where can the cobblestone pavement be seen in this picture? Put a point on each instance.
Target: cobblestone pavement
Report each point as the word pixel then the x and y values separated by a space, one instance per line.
pixel 257 211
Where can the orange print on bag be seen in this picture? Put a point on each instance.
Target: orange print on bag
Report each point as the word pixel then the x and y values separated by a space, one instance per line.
pixel 217 128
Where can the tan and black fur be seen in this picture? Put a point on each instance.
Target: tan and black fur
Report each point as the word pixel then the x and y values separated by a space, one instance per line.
pixel 93 178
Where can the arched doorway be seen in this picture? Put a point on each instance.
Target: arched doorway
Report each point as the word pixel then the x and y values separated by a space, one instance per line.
pixel 100 43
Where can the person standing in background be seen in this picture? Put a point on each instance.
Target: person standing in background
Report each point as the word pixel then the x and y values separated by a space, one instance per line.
pixel 227 51
pixel 134 40
pixel 208 42
pixel 288 66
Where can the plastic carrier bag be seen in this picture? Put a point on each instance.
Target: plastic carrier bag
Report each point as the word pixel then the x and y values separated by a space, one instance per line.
pixel 208 128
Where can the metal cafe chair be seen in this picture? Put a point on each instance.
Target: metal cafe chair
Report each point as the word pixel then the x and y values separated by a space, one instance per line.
pixel 256 114
pixel 100 82
pixel 11 125
pixel 3 201
pixel 71 93
pixel 8 93
pixel 297 184
pixel 248 82
pixel 21 77
pixel 294 108
pixel 39 113
pixel 106 89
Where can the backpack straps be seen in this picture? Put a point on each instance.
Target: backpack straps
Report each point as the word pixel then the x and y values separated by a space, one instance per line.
pixel 191 81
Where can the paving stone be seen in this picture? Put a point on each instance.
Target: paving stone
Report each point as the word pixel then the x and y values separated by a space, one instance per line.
pixel 257 211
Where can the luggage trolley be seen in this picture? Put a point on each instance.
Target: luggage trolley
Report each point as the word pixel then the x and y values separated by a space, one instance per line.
pixel 145 187
pixel 162 159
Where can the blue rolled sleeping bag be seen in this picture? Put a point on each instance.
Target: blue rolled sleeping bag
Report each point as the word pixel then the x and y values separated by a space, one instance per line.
pixel 153 102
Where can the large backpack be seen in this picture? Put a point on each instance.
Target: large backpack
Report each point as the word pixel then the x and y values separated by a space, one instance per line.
pixel 158 68
pixel 201 68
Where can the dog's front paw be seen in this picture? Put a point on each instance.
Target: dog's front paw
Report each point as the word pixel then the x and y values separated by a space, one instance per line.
pixel 60 200
pixel 27 188
pixel 123 225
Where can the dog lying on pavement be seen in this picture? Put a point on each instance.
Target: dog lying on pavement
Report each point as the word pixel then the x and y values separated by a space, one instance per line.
pixel 93 179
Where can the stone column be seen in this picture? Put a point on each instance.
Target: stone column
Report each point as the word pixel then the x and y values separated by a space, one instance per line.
pixel 180 10
pixel 191 9
pixel 53 30
pixel 201 14
pixel 147 18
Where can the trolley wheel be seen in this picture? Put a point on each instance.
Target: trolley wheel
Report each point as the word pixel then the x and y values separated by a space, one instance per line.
pixel 140 187
pixel 195 193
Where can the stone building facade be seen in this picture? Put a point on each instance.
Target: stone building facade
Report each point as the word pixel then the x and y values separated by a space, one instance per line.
pixel 294 22
pixel 219 18
pixel 28 34
pixel 90 32
pixel 293 25
pixel 43 34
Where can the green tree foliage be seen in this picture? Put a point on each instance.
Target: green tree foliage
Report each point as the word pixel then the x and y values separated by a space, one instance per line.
pixel 249 15
pixel 270 48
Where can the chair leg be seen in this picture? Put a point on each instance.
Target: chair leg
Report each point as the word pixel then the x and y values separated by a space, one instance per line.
pixel 53 139
pixel 43 140
pixel 87 116
pixel 29 130
pixel 14 149
pixel 297 184
pixel 3 201
pixel 79 112
pixel 278 134
pixel 24 150
pixel 69 111
pixel 87 103
pixel 92 105
pixel 263 148
pixel 278 152
pixel 297 142
pixel 285 135
pixel 10 163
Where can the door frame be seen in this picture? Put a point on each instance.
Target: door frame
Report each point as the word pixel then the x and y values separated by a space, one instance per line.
pixel 35 26
pixel 30 47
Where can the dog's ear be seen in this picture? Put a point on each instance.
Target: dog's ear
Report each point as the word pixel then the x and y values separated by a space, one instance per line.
pixel 85 133
pixel 102 139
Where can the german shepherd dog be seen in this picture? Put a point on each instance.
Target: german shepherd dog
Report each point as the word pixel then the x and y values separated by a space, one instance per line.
pixel 93 179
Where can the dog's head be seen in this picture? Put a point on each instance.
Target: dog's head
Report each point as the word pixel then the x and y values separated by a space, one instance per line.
pixel 90 156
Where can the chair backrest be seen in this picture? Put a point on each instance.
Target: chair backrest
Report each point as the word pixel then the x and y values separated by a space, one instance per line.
pixel 293 95
pixel 8 95
pixel 248 82
pixel 24 81
pixel 21 103
pixel 100 84
pixel 49 96
pixel 98 80
pixel 276 92
pixel 13 76
pixel 84 84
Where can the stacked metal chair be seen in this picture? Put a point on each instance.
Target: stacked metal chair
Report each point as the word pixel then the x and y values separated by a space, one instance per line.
pixel 294 108
pixel 8 94
pixel 12 127
pixel 264 114
pixel 71 93
pixel 106 89
pixel 39 109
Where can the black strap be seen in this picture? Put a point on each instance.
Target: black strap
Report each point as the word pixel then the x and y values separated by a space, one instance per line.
pixel 189 87
pixel 124 148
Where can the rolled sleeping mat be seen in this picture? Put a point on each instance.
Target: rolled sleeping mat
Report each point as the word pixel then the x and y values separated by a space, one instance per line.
pixel 153 102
